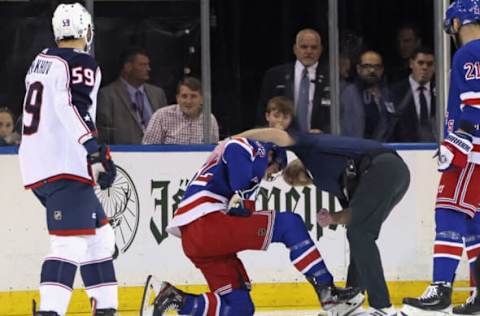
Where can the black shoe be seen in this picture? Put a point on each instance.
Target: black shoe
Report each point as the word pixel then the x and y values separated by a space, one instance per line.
pixel 106 312
pixel 331 296
pixel 471 307
pixel 437 297
pixel 169 297
pixel 41 313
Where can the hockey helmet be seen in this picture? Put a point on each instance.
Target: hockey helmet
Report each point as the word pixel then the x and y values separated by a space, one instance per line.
pixel 72 21
pixel 467 11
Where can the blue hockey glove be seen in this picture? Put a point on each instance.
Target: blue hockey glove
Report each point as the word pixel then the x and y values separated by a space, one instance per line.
pixel 454 150
pixel 99 158
pixel 239 211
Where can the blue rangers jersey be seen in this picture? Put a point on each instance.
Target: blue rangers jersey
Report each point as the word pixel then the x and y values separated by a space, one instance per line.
pixel 464 95
pixel 58 116
pixel 239 171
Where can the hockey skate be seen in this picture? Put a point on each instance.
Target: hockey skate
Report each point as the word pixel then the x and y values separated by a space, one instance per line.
pixel 471 307
pixel 338 301
pixel 101 311
pixel 41 313
pixel 435 301
pixel 389 311
pixel 150 291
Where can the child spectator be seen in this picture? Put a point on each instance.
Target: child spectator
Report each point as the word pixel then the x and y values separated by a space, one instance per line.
pixel 280 112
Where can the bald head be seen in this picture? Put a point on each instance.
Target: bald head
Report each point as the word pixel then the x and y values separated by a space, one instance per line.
pixel 308 47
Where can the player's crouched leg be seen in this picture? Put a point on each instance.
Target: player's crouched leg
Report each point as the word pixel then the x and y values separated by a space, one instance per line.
pixel 235 303
pixel 290 230
pixel 97 270
pixel 58 272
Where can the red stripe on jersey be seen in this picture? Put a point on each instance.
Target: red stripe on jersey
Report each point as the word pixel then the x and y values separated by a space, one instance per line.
pixel 308 259
pixel 473 253
pixel 195 203
pixel 450 250
pixel 471 102
pixel 476 147
pixel 72 232
pixel 212 304
pixel 63 176
pixel 205 178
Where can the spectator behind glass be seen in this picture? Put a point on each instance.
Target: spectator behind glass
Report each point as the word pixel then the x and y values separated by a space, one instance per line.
pixel 312 107
pixel 366 109
pixel 181 123
pixel 126 105
pixel 7 134
pixel 279 113
pixel 407 41
pixel 414 99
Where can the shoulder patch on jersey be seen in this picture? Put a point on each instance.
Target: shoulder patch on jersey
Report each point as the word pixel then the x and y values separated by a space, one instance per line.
pixel 242 142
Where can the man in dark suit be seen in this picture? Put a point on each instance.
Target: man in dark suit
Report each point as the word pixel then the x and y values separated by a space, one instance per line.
pixel 414 99
pixel 126 105
pixel 304 81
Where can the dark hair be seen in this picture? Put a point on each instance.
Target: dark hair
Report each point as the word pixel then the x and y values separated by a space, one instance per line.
pixel 129 53
pixel 190 82
pixel 422 50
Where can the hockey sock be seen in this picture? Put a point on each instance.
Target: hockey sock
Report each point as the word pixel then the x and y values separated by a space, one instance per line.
pixel 448 248
pixel 235 303
pixel 56 283
pixel 100 282
pixel 290 230
pixel 472 246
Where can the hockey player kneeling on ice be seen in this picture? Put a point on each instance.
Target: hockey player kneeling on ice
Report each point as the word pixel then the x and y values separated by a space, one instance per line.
pixel 212 234
pixel 57 156
pixel 367 178
pixel 456 212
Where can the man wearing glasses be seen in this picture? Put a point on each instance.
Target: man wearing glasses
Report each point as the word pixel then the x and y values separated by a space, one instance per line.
pixel 366 108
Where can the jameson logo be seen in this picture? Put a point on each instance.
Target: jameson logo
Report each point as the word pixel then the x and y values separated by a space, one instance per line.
pixel 304 201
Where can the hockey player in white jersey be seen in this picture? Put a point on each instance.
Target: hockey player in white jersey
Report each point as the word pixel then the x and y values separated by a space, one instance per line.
pixel 58 156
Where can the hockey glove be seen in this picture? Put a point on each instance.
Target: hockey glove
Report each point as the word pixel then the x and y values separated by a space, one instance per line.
pixel 99 159
pixel 237 207
pixel 454 150
pixel 324 218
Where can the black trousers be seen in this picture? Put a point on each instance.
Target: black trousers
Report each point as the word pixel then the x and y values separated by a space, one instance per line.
pixel 380 188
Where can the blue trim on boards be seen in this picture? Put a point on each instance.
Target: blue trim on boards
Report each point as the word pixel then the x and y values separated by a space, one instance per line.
pixel 12 150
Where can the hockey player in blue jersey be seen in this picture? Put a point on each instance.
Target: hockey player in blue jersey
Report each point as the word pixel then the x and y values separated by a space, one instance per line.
pixel 212 234
pixel 458 198
pixel 58 157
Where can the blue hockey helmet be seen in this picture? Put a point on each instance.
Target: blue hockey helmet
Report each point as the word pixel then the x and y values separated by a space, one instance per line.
pixel 279 156
pixel 466 11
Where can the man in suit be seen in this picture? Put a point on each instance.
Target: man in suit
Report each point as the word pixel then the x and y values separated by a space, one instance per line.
pixel 126 105
pixel 304 81
pixel 414 100
pixel 366 108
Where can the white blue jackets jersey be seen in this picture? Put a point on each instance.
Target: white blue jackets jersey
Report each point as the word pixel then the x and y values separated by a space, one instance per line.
pixel 464 94
pixel 58 116
pixel 240 170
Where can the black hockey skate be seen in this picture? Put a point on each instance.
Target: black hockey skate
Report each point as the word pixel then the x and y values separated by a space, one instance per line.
pixel 471 307
pixel 169 297
pixel 41 313
pixel 437 297
pixel 342 300
pixel 101 311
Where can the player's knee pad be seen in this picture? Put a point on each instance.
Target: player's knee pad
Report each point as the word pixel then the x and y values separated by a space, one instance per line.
pixel 60 266
pixel 101 245
pixel 450 221
pixel 239 303
pixel 289 228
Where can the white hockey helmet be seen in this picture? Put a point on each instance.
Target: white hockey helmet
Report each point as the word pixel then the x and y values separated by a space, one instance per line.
pixel 72 21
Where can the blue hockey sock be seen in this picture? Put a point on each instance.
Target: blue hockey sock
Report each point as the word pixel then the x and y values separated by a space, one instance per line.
pixel 290 230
